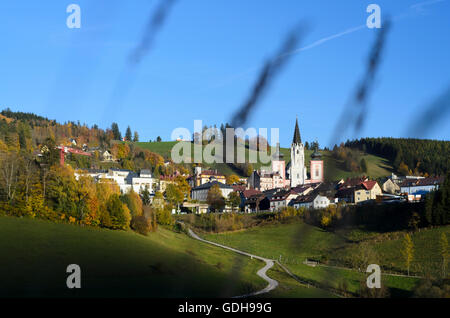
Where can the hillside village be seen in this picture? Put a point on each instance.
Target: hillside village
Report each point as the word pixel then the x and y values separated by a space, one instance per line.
pixel 68 174
pixel 180 162
pixel 269 188
pixel 85 175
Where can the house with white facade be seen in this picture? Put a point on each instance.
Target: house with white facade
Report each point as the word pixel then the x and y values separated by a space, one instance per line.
pixel 144 180
pixel 93 173
pixel 125 179
pixel 417 188
pixel 320 202
pixel 282 199
pixel 107 156
pixel 303 201
pixel 421 186
pixel 313 201
pixel 200 193
pixel 391 187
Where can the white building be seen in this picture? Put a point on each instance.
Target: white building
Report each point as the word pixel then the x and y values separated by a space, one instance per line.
pixel 320 202
pixel 107 156
pixel 125 179
pixel 94 173
pixel 294 174
pixel 297 172
pixel 311 202
pixel 282 199
pixel 200 193
pixel 144 180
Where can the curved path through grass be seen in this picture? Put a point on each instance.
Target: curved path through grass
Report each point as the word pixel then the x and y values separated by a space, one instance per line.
pixel 261 273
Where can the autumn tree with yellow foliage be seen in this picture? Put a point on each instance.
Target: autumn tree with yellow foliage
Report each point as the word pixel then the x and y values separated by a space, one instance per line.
pixel 408 250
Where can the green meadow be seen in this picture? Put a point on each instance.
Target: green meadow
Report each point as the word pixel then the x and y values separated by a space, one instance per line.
pixel 36 253
pixel 293 243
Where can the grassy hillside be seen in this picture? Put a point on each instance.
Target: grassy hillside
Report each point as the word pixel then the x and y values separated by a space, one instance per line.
pixel 290 288
pixel 163 148
pixel 293 243
pixel 334 169
pixel 35 255
pixel 427 255
pixel 376 167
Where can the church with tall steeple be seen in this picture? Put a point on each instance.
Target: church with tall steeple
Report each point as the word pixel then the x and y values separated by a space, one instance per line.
pixel 297 172
pixel 294 174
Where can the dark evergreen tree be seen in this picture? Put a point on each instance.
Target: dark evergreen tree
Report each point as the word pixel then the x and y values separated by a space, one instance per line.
pixel 363 165
pixel 128 134
pixel 116 132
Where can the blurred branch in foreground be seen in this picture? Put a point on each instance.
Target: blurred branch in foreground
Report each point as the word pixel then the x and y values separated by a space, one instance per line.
pixel 270 69
pixel 354 114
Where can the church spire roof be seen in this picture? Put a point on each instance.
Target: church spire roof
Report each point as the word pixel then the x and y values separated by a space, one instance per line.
pixel 297 139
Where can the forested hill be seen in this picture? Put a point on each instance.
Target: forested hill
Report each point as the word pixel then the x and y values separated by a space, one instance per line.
pixel 27 131
pixel 409 155
pixel 28 117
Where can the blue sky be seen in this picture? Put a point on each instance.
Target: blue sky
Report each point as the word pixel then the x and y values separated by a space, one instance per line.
pixel 207 56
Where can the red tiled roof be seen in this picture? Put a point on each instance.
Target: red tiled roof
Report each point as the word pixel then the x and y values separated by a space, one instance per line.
pixel 255 198
pixel 301 188
pixel 351 182
pixel 238 188
pixel 282 195
pixel 369 184
pixel 248 193
pixel 430 181
pixel 304 199
pixel 422 182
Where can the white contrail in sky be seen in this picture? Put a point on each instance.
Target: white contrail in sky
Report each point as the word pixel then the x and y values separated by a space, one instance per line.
pixel 328 38
pixel 310 46
pixel 418 6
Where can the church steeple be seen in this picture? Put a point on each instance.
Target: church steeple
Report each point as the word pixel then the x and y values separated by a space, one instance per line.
pixel 297 172
pixel 297 139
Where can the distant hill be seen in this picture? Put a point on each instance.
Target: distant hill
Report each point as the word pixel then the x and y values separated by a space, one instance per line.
pixel 334 169
pixel 9 116
pixel 409 155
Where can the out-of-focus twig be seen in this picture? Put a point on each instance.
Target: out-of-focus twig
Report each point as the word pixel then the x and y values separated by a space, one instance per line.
pixel 354 114
pixel 154 24
pixel 270 69
pixel 126 78
pixel 431 116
